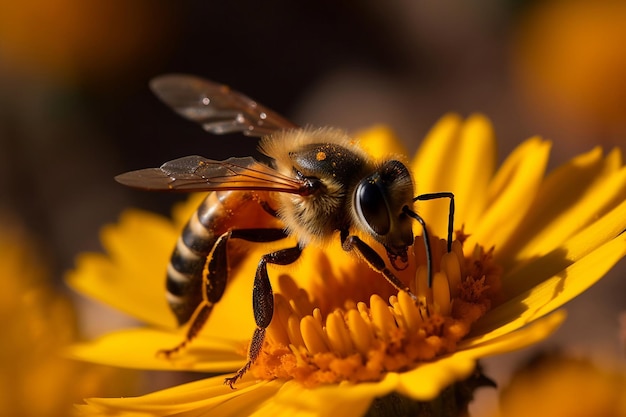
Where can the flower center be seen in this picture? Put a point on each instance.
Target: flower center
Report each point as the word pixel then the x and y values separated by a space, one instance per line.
pixel 327 337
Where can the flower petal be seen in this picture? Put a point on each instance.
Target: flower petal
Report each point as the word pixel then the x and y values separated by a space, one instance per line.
pixel 138 349
pixel 569 199
pixel 510 194
pixel 349 400
pixel 380 142
pixel 472 169
pixel 430 165
pixel 459 157
pixel 526 275
pixel 204 397
pixel 426 382
pixel 131 278
pixel 210 396
pixel 548 295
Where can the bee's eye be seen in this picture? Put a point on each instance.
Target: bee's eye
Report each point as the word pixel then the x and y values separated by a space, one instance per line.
pixel 371 205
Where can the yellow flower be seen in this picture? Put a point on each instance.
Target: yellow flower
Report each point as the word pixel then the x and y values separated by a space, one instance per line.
pixel 559 386
pixel 568 57
pixel 36 324
pixel 341 336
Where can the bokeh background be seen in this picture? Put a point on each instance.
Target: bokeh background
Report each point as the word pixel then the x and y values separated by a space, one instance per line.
pixel 75 109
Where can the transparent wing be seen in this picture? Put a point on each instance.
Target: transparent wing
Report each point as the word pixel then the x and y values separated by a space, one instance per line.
pixel 216 107
pixel 195 173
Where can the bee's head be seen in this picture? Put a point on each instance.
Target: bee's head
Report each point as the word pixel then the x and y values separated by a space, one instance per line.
pixel 378 202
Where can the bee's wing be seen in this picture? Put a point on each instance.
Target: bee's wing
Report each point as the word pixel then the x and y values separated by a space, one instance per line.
pixel 216 107
pixel 195 173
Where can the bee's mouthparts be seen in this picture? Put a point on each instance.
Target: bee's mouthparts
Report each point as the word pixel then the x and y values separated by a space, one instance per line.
pixel 402 256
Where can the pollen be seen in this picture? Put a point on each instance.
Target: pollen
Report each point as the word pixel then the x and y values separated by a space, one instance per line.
pixel 359 341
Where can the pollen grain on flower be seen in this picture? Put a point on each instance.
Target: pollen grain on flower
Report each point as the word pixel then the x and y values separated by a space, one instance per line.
pixel 327 335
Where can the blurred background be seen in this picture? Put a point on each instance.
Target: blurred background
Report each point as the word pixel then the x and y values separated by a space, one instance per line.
pixel 75 109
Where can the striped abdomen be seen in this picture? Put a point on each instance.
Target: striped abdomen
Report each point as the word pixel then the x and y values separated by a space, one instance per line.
pixel 218 213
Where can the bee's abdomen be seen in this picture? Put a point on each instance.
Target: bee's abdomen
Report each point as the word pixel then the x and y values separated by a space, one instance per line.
pixel 219 212
pixel 184 272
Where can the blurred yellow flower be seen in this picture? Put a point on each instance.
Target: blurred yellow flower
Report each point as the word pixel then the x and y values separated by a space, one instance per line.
pixel 36 324
pixel 336 343
pixel 569 58
pixel 558 386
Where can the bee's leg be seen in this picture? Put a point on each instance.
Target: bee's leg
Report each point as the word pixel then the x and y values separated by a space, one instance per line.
pixel 262 298
pixel 374 260
pixel 434 196
pixel 429 251
pixel 214 278
pixel 268 209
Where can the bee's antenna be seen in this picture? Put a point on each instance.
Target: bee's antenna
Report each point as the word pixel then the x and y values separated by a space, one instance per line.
pixel 429 252
pixel 412 214
pixel 434 196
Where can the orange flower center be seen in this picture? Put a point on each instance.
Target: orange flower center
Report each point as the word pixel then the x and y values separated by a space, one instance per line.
pixel 324 336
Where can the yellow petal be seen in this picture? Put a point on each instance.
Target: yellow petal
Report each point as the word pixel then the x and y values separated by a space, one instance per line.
pixel 429 166
pixel 456 157
pixel 205 397
pixel 473 166
pixel 528 274
pixel 138 349
pixel 349 400
pixel 132 277
pixel 426 382
pixel 550 294
pixel 571 198
pixel 510 194
pixel 380 142
pixel 210 396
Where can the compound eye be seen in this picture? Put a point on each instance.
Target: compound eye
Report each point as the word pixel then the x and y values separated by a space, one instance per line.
pixel 371 205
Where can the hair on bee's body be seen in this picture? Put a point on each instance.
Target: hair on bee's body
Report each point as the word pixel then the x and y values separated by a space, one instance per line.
pixel 336 160
pixel 320 185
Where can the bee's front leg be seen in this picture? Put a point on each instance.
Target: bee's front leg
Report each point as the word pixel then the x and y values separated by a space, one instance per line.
pixel 374 260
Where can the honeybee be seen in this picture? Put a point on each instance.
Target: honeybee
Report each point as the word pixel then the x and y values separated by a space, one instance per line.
pixel 319 184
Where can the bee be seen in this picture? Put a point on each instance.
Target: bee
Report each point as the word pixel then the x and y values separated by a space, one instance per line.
pixel 319 185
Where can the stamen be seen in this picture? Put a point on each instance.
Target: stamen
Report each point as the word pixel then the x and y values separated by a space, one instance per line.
pixel 382 319
pixel 280 329
pixel 452 268
pixel 421 284
pixel 411 316
pixel 338 335
pixel 361 341
pixel 313 335
pixel 359 332
pixel 441 294
pixel 457 248
pixel 293 328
